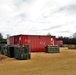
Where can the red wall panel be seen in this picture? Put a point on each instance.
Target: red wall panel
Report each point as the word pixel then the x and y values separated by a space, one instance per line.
pixel 11 40
pixel 37 43
pixel 59 42
pixel 16 39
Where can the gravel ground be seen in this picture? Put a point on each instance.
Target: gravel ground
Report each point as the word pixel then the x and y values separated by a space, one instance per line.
pixel 63 63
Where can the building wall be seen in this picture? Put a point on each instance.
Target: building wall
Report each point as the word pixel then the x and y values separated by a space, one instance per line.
pixel 11 40
pixel 37 43
pixel 59 42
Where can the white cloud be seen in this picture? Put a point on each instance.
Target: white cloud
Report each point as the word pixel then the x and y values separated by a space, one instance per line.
pixel 37 17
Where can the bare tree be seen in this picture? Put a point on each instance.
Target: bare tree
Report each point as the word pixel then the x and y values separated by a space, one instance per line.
pixel 74 35
pixel 49 34
pixel 1 37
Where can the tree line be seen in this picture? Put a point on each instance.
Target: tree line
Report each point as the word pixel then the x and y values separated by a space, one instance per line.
pixel 68 40
pixel 2 40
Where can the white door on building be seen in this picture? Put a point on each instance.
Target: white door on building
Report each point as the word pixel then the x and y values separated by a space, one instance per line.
pixel 52 41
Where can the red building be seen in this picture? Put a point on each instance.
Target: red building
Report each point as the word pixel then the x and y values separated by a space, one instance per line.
pixel 37 42
pixel 59 42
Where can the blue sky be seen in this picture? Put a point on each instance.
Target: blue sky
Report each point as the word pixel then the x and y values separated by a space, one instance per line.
pixel 40 17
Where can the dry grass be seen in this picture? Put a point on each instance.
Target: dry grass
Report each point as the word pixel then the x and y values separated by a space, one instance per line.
pixel 63 63
pixel 71 46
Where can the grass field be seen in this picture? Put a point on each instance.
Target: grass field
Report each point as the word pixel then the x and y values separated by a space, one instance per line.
pixel 63 63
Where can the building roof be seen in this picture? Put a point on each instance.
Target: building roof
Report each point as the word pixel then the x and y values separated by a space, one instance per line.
pixel 30 35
